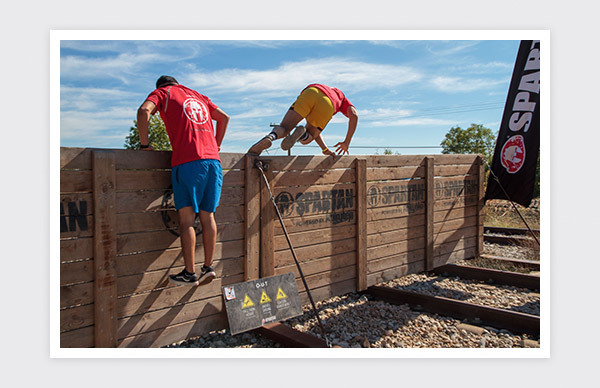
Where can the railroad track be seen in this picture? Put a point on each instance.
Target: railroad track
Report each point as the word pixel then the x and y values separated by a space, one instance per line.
pixel 510 236
pixel 473 314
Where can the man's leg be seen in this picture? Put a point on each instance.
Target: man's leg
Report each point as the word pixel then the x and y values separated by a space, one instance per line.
pixel 187 233
pixel 289 122
pixel 209 236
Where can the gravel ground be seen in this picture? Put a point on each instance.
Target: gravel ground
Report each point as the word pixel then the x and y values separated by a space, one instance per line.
pixel 355 321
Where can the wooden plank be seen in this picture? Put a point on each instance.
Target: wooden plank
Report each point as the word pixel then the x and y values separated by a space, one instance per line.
pixel 148 281
pixel 450 226
pixel 415 244
pixel 395 272
pixel 414 223
pixel 452 214
pixel 316 222
pixel 395 192
pixel 285 257
pixel 397 260
pixel 267 222
pixel 252 219
pixel 319 265
pixel 75 181
pixel 159 200
pixel 446 159
pixel 76 318
pixel 105 250
pixel 456 203
pixel 392 173
pixel 160 319
pixel 455 256
pixel 162 298
pixel 157 179
pixel 169 258
pixel 304 163
pixel 152 241
pixel 80 158
pixel 171 334
pixel 480 205
pixel 429 203
pixel 393 160
pixel 79 338
pixel 457 245
pixel 312 177
pixel 159 221
pixel 361 224
pixel 312 237
pixel 455 235
pixel 394 236
pixel 75 158
pixel 76 249
pixel 76 294
pixel 77 272
pixel 413 210
pixel 462 169
pixel 452 187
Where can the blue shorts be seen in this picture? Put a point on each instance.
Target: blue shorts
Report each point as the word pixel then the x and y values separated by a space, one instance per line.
pixel 198 184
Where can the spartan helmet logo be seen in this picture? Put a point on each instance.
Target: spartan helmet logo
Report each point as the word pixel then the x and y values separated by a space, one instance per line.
pixel 285 203
pixel 195 111
pixel 513 154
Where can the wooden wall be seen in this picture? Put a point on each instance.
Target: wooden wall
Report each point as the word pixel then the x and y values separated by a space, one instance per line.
pixel 353 222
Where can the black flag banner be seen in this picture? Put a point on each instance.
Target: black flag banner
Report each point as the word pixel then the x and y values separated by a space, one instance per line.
pixel 518 144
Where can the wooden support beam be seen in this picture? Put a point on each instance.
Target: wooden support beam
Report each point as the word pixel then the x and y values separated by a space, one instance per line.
pixel 267 227
pixel 252 220
pixel 361 224
pixel 105 249
pixel 480 206
pixel 429 208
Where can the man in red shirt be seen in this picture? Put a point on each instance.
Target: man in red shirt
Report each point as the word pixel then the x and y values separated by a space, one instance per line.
pixel 317 103
pixel 196 173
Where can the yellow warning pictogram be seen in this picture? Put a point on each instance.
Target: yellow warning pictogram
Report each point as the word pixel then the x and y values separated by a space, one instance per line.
pixel 281 294
pixel 264 298
pixel 247 302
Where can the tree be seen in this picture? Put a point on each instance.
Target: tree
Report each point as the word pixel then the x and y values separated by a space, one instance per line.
pixel 157 134
pixel 474 140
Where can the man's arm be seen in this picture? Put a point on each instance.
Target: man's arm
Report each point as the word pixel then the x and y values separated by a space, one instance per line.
pixel 143 121
pixel 222 120
pixel 342 147
pixel 316 135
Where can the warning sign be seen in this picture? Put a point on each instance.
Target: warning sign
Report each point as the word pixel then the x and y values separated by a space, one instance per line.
pixel 264 298
pixel 281 294
pixel 247 302
pixel 244 314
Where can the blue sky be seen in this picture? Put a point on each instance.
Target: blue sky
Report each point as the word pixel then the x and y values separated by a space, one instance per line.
pixel 407 92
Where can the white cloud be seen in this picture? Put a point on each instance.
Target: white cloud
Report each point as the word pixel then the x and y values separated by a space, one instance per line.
pixel 76 67
pixel 457 84
pixel 291 77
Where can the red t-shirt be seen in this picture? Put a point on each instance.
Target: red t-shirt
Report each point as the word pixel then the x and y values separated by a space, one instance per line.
pixel 186 114
pixel 338 99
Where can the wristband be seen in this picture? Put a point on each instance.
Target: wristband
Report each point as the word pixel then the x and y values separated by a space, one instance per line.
pixel 145 146
pixel 325 150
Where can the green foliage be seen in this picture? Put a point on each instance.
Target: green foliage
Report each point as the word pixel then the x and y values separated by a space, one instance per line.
pixel 474 140
pixel 157 134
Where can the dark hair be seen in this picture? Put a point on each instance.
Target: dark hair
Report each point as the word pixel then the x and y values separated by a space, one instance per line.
pixel 165 80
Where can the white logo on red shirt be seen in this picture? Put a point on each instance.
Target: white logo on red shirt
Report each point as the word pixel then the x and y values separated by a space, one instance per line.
pixel 513 154
pixel 195 111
